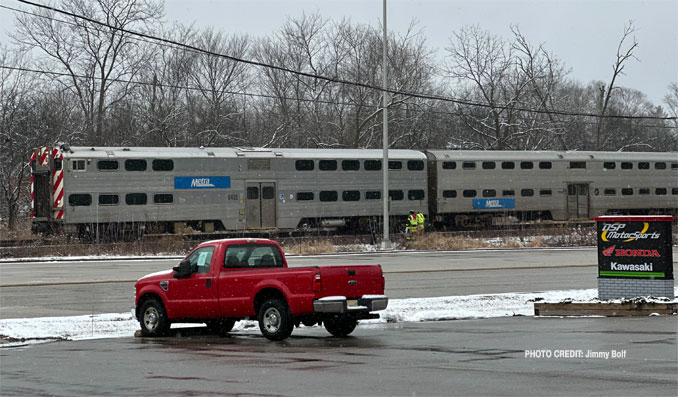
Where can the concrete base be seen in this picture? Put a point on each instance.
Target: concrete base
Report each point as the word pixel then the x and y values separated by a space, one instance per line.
pixel 604 309
pixel 618 288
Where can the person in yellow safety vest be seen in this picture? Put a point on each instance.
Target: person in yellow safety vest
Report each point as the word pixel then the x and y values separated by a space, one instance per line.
pixel 420 222
pixel 411 225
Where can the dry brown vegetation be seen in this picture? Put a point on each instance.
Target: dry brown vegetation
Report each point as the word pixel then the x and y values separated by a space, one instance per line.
pixel 310 247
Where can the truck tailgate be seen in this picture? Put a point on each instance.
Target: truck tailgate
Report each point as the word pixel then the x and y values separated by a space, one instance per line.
pixel 352 281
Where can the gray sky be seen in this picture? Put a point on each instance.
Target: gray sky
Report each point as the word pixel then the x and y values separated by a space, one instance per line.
pixel 584 34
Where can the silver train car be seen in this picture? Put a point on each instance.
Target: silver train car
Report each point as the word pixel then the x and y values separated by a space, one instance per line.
pixel 114 191
pixel 472 188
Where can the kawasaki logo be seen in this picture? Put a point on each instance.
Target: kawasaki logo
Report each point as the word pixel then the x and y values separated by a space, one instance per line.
pixel 645 267
pixel 630 252
pixel 613 231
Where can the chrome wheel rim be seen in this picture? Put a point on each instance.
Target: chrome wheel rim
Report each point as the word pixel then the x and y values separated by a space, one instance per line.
pixel 271 320
pixel 151 318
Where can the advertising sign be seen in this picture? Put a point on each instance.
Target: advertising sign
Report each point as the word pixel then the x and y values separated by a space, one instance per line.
pixel 634 246
pixel 494 204
pixel 202 182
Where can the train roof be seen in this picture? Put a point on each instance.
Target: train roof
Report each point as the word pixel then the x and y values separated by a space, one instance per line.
pixel 516 155
pixel 206 152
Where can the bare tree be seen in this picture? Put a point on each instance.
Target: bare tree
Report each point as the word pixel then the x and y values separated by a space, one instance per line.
pixel 96 58
pixel 483 67
pixel 624 53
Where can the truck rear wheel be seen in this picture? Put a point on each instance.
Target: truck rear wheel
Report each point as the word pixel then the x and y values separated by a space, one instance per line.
pixel 153 318
pixel 340 326
pixel 275 320
pixel 221 327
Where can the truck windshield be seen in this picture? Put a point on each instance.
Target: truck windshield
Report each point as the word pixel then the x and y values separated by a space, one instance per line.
pixel 253 256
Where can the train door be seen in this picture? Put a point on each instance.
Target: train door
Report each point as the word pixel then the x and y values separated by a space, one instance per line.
pixel 41 194
pixel 578 200
pixel 260 207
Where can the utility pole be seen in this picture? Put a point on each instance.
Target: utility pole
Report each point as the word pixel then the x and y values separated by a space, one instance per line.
pixel 386 241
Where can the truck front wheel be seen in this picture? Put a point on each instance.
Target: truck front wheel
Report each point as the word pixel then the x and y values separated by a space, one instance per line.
pixel 153 318
pixel 275 320
pixel 340 326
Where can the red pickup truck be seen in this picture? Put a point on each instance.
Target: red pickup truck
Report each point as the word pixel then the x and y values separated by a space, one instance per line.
pixel 223 281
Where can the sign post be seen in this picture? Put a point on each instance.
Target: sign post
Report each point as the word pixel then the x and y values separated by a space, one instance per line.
pixel 635 257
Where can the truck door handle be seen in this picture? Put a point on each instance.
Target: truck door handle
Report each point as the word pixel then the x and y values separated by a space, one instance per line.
pixel 352 282
pixel 209 283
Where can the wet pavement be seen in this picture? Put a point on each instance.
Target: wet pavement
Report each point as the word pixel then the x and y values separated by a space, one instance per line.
pixel 464 357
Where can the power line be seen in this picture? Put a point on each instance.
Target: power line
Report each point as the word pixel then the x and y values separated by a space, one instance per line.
pixel 257 95
pixel 337 80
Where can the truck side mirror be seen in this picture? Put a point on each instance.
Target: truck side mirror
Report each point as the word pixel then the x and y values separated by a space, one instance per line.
pixel 183 270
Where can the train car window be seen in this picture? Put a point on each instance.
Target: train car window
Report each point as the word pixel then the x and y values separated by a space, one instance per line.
pixel 468 165
pixel 267 193
pixel 609 165
pixel 526 165
pixel 350 195
pixel 107 165
pixel 108 199
pixel 57 164
pixel 304 165
pixel 508 193
pixel 328 195
pixel 396 195
pixel 395 165
pixel 508 165
pixel 674 191
pixel 163 198
pixel 674 166
pixel 489 165
pixel 136 199
pixel 449 193
pixel 415 194
pixel 449 165
pixel 660 166
pixel 372 165
pixel 545 192
pixel 135 165
pixel 643 191
pixel 373 195
pixel 305 196
pixel 415 165
pixel 527 192
pixel 163 165
pixel 545 165
pixel 489 193
pixel 627 191
pixel 660 191
pixel 78 165
pixel 327 165
pixel 625 165
pixel 80 200
pixel 610 192
pixel 252 193
pixel 643 165
pixel 579 165
pixel 469 193
pixel 350 165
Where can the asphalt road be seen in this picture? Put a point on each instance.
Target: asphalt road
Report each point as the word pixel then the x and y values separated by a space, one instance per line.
pixel 60 288
pixel 464 357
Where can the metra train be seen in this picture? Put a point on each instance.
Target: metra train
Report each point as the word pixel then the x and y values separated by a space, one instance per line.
pixel 167 190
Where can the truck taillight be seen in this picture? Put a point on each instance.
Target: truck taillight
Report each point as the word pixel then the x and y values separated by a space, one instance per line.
pixel 317 283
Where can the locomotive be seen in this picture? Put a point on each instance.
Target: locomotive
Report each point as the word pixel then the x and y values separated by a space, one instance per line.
pixel 122 190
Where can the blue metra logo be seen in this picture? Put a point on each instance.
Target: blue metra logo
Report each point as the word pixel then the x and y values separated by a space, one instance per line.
pixel 494 204
pixel 202 182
